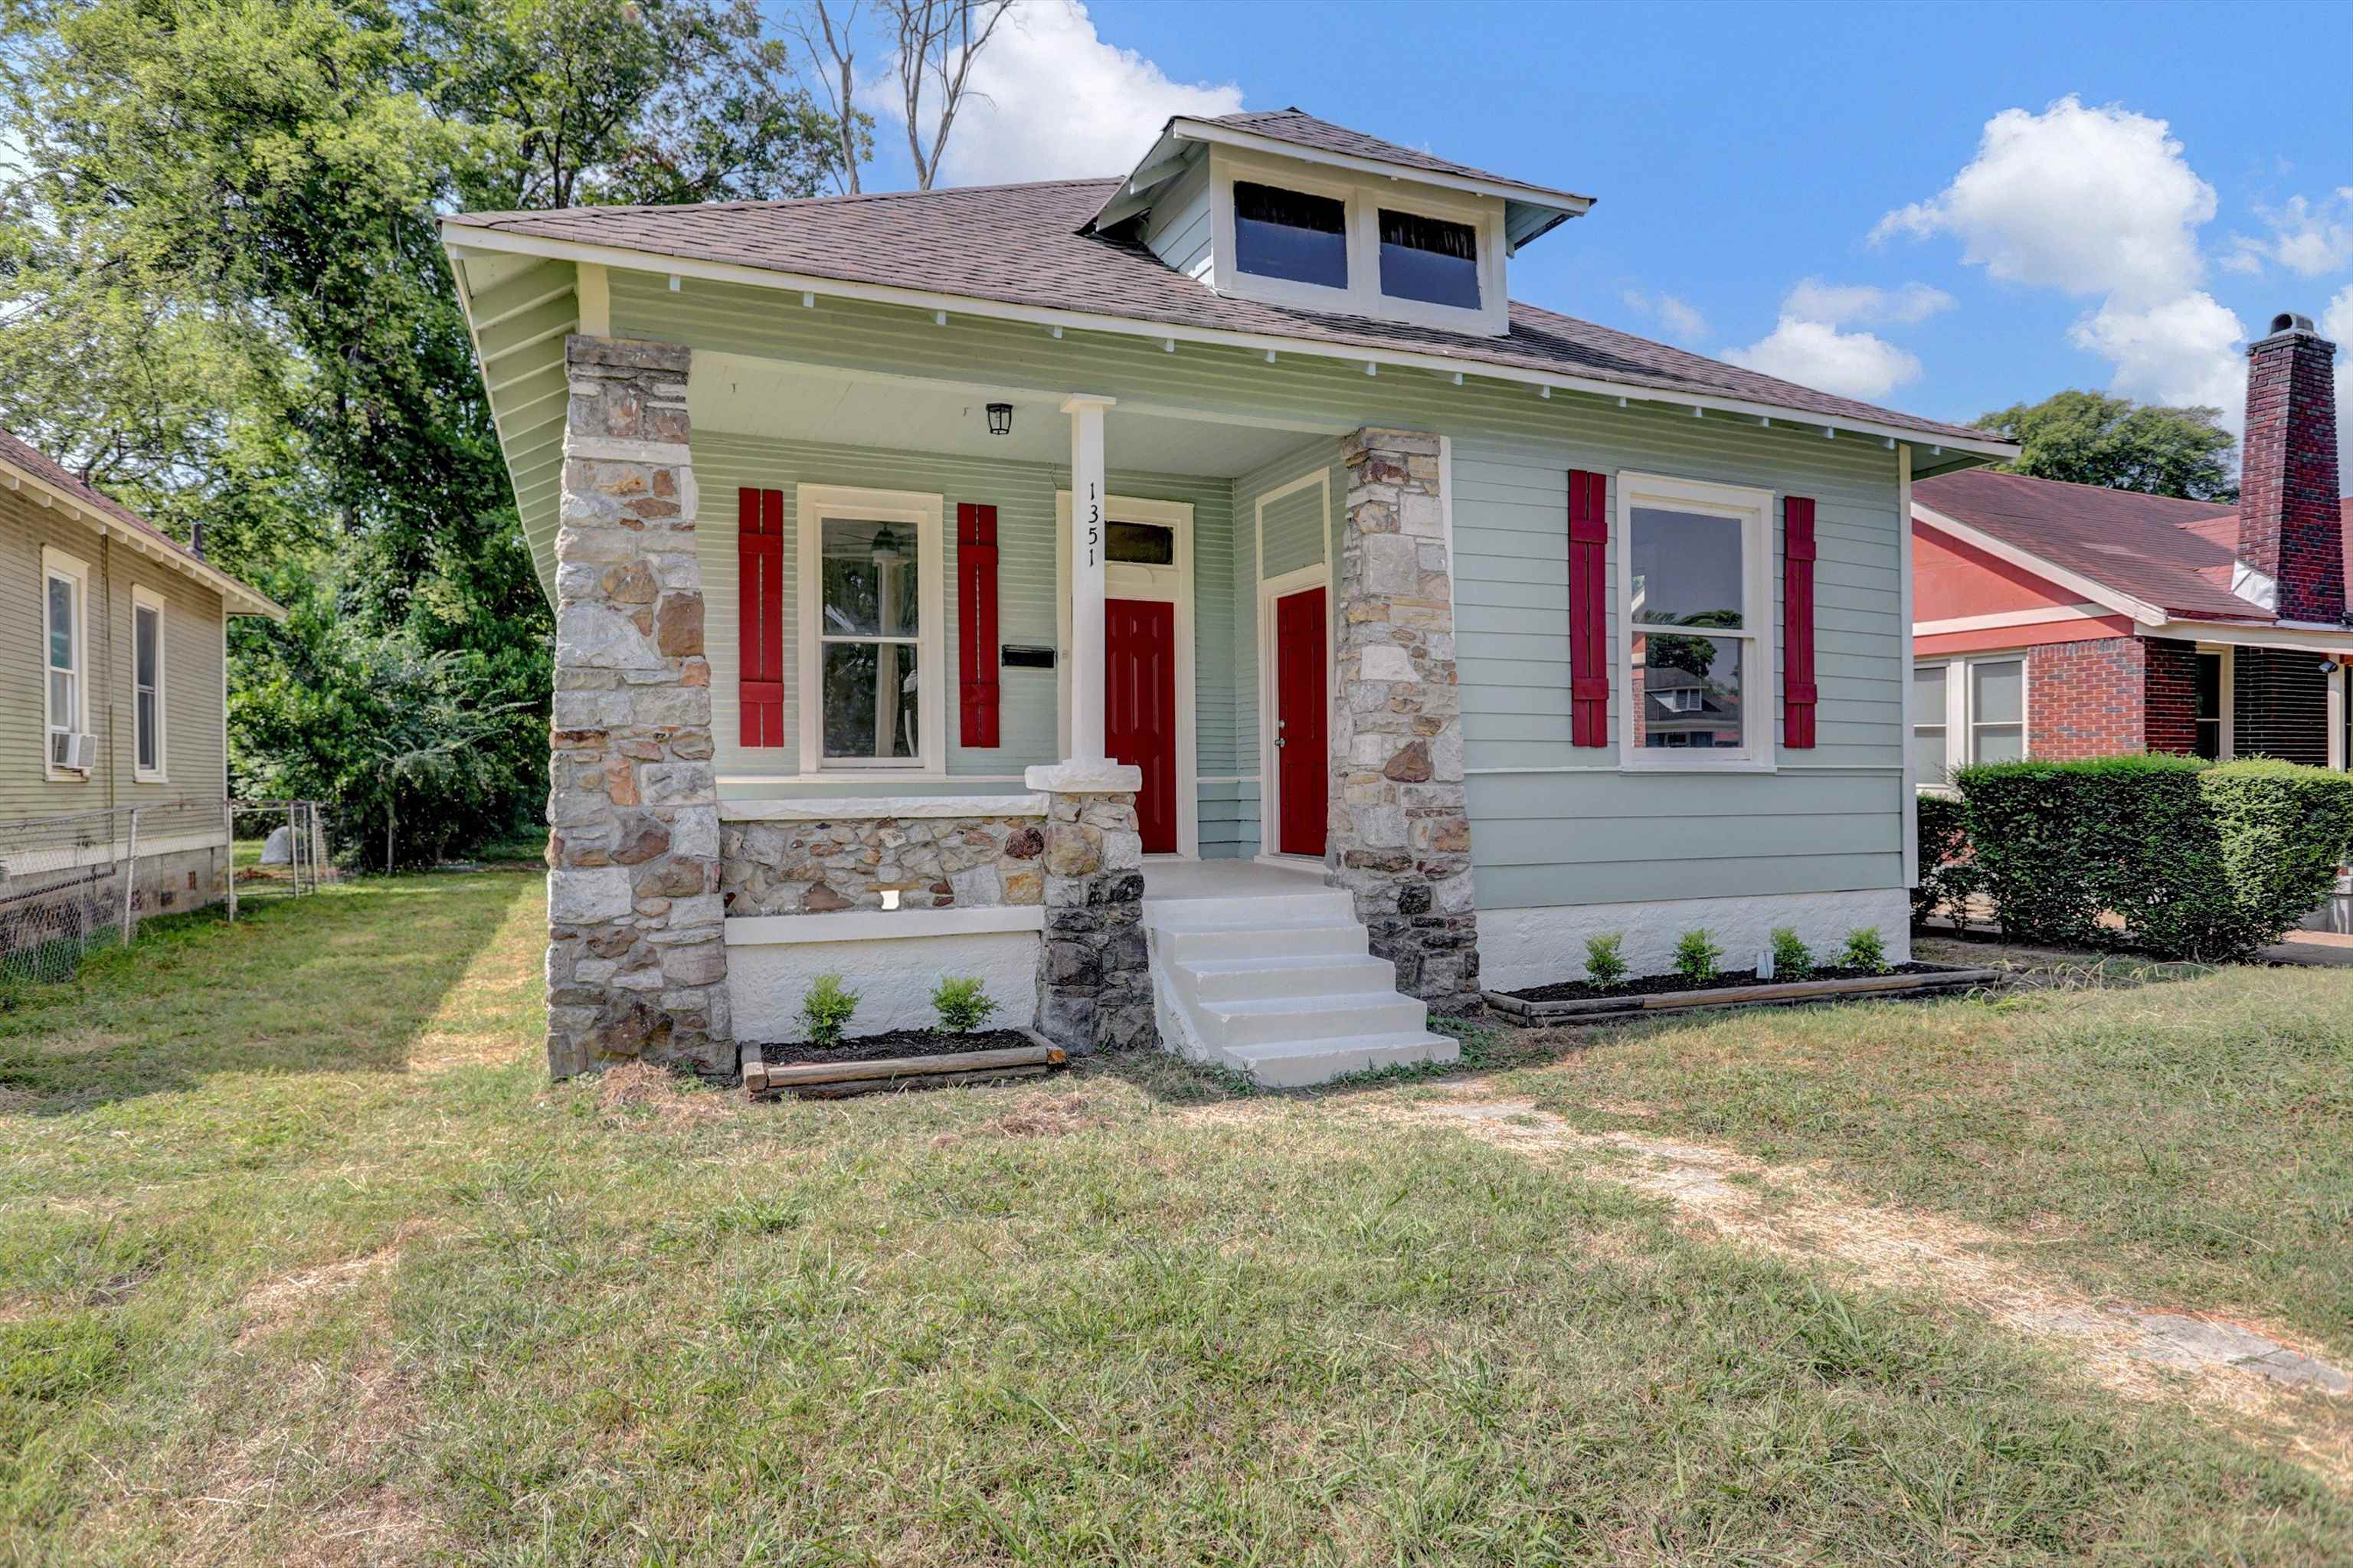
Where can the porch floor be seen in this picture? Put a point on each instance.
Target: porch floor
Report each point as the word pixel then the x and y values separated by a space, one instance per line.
pixel 1173 879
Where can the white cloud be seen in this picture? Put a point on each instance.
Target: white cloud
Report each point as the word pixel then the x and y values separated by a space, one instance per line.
pixel 1682 320
pixel 2093 201
pixel 2336 325
pixel 1862 304
pixel 2181 350
pixel 1816 354
pixel 1050 99
pixel 2310 239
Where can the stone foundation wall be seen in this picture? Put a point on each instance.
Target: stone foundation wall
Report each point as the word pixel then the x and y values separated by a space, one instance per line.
pixel 936 862
pixel 636 966
pixel 1400 828
pixel 1095 984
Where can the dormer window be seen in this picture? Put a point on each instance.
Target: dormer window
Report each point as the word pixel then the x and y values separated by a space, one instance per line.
pixel 1429 258
pixel 1291 235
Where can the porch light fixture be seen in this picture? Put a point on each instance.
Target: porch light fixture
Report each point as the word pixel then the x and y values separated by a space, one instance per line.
pixel 1000 418
pixel 885 549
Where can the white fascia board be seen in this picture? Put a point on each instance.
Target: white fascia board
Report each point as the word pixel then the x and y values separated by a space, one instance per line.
pixel 458 238
pixel 2027 560
pixel 1504 190
pixel 2293 637
pixel 241 599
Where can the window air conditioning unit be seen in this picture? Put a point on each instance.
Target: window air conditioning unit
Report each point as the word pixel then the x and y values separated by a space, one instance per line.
pixel 77 752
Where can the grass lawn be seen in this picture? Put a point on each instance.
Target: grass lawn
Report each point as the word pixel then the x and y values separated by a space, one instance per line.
pixel 2186 1141
pixel 301 1260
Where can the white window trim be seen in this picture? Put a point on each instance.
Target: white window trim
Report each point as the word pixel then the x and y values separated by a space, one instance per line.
pixel 2229 682
pixel 1362 196
pixel 1171 584
pixel 1957 718
pixel 56 563
pixel 1758 698
pixel 148 598
pixel 812 504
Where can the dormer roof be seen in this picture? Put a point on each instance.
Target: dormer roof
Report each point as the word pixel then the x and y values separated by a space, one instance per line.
pixel 1529 210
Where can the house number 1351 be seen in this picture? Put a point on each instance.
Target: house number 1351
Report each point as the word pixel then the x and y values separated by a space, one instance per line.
pixel 1095 517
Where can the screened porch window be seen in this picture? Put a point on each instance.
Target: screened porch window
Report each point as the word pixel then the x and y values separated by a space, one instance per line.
pixel 1291 235
pixel 1429 260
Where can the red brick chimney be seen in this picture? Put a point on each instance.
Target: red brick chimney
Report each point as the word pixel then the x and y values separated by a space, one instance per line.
pixel 2288 529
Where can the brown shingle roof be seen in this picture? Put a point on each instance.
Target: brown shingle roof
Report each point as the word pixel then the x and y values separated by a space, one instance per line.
pixel 26 458
pixel 2176 554
pixel 1301 128
pixel 1021 245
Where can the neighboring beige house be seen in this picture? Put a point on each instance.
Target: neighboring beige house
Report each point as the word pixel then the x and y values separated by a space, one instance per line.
pixel 114 639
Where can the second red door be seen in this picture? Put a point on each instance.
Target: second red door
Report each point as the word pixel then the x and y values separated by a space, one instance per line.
pixel 1302 769
pixel 1140 708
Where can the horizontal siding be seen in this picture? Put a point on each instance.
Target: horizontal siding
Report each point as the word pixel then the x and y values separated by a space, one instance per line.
pixel 1511 451
pixel 1023 495
pixel 1178 228
pixel 194 757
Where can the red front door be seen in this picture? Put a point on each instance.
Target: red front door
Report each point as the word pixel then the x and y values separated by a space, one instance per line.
pixel 1140 708
pixel 1302 769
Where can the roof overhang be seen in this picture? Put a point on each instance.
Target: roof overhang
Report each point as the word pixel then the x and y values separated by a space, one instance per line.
pixel 1529 211
pixel 2291 637
pixel 459 238
pixel 237 599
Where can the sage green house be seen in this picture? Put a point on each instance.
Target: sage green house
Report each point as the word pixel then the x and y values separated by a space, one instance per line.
pixel 117 696
pixel 1234 493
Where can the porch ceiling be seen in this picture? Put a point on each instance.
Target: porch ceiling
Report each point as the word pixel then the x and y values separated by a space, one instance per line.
pixel 745 396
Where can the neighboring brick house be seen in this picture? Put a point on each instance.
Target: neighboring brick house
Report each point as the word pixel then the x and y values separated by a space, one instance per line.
pixel 2064 621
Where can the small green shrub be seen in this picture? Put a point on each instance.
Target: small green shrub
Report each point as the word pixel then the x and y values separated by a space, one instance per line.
pixel 962 1004
pixel 1605 966
pixel 826 1009
pixel 1792 959
pixel 1866 950
pixel 1696 955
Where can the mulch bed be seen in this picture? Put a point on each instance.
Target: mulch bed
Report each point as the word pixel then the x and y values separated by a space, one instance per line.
pixel 898 1043
pixel 1725 980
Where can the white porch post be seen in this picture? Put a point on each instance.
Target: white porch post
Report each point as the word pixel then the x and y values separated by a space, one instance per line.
pixel 1087 552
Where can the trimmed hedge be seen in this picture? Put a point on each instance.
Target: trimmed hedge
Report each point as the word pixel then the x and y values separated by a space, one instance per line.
pixel 1949 878
pixel 2176 857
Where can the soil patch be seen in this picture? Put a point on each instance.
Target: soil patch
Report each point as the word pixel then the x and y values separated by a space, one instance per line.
pixel 1725 980
pixel 897 1042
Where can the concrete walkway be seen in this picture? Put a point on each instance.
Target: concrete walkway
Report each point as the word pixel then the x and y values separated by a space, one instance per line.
pixel 2324 950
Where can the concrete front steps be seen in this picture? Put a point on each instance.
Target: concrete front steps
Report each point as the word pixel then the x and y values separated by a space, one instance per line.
pixel 1280 988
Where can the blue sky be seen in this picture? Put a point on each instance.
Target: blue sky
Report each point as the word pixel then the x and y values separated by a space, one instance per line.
pixel 1738 151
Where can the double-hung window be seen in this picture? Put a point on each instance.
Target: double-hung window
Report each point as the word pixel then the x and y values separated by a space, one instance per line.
pixel 871 612
pixel 1694 620
pixel 65 643
pixel 147 685
pixel 1965 711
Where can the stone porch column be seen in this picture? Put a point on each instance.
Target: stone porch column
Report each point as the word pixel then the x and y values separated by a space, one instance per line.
pixel 636 964
pixel 1095 984
pixel 1399 838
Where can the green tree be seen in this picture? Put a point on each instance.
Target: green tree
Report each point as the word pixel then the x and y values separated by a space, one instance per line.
pixel 2086 438
pixel 225 300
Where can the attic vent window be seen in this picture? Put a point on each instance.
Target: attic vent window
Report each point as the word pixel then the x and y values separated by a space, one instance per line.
pixel 1429 260
pixel 1290 235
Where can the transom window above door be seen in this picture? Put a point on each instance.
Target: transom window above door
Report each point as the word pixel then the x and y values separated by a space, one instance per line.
pixel 870 611
pixel 1694 620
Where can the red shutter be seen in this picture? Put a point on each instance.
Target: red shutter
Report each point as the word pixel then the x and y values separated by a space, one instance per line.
pixel 760 587
pixel 1797 622
pixel 1589 613
pixel 977 621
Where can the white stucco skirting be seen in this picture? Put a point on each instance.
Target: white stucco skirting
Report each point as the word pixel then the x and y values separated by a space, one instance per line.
pixel 1519 947
pixel 891 959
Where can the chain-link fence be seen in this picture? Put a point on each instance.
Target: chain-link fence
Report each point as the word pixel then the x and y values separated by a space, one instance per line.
pixel 65 888
pixel 280 850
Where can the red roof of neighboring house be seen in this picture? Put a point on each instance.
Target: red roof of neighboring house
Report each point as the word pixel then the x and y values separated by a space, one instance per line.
pixel 2175 555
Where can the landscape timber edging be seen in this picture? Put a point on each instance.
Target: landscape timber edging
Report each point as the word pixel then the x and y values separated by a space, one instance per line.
pixel 763 1080
pixel 1600 1009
